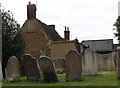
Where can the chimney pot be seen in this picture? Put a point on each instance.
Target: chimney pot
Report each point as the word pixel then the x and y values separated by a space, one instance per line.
pixel 67 28
pixel 67 34
pixel 29 3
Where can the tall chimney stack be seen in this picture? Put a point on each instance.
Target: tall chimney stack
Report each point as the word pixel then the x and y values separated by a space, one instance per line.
pixel 67 34
pixel 31 11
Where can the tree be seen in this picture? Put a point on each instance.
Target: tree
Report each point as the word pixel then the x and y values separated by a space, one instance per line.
pixel 12 40
pixel 117 34
pixel 117 28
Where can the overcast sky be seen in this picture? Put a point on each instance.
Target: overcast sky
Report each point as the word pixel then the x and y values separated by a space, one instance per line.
pixel 86 19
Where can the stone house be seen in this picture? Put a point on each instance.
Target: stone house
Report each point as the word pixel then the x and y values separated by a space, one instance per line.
pixel 40 36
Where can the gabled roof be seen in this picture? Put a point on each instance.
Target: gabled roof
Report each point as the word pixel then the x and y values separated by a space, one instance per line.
pixel 97 40
pixel 36 25
pixel 51 33
pixel 100 46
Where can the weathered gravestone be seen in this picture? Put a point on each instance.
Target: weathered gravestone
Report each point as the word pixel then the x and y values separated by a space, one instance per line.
pixel 12 69
pixel 115 58
pixel 89 62
pixel 59 65
pixel 31 67
pixel 73 66
pixel 47 69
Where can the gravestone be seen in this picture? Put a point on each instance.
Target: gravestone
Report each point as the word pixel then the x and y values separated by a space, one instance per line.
pixel 59 66
pixel 89 62
pixel 95 63
pixel 47 69
pixel 31 67
pixel 73 66
pixel 115 56
pixel 12 69
pixel 99 62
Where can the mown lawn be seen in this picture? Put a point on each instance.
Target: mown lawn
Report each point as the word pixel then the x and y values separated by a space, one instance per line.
pixel 104 78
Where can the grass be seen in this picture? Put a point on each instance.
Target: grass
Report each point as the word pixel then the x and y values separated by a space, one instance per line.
pixel 104 78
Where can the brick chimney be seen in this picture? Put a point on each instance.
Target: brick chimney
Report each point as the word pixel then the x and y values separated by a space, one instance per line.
pixel 31 11
pixel 67 34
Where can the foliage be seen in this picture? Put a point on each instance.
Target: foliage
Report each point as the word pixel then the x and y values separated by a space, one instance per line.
pixel 117 28
pixel 12 40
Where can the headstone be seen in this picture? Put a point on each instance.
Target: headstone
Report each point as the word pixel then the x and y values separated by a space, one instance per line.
pixel 105 62
pixel 112 64
pixel 12 69
pixel 89 62
pixel 99 62
pixel 31 67
pixel 115 56
pixel 95 62
pixel 47 69
pixel 59 66
pixel 73 66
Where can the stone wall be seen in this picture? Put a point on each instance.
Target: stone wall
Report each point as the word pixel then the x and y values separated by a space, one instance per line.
pixel 106 62
pixel 35 42
pixel 59 50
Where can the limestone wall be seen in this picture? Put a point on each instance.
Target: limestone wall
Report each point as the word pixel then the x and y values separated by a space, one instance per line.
pixel 59 50
pixel 35 42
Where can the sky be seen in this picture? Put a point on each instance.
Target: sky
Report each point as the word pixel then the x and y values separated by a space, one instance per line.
pixel 86 19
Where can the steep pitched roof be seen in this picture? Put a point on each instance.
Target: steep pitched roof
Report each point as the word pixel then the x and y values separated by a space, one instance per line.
pixel 36 25
pixel 51 33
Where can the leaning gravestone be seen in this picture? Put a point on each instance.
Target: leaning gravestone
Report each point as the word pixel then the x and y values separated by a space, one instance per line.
pixel 73 66
pixel 12 69
pixel 47 69
pixel 31 67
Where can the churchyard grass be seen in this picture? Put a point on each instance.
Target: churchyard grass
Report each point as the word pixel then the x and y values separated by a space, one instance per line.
pixel 104 78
